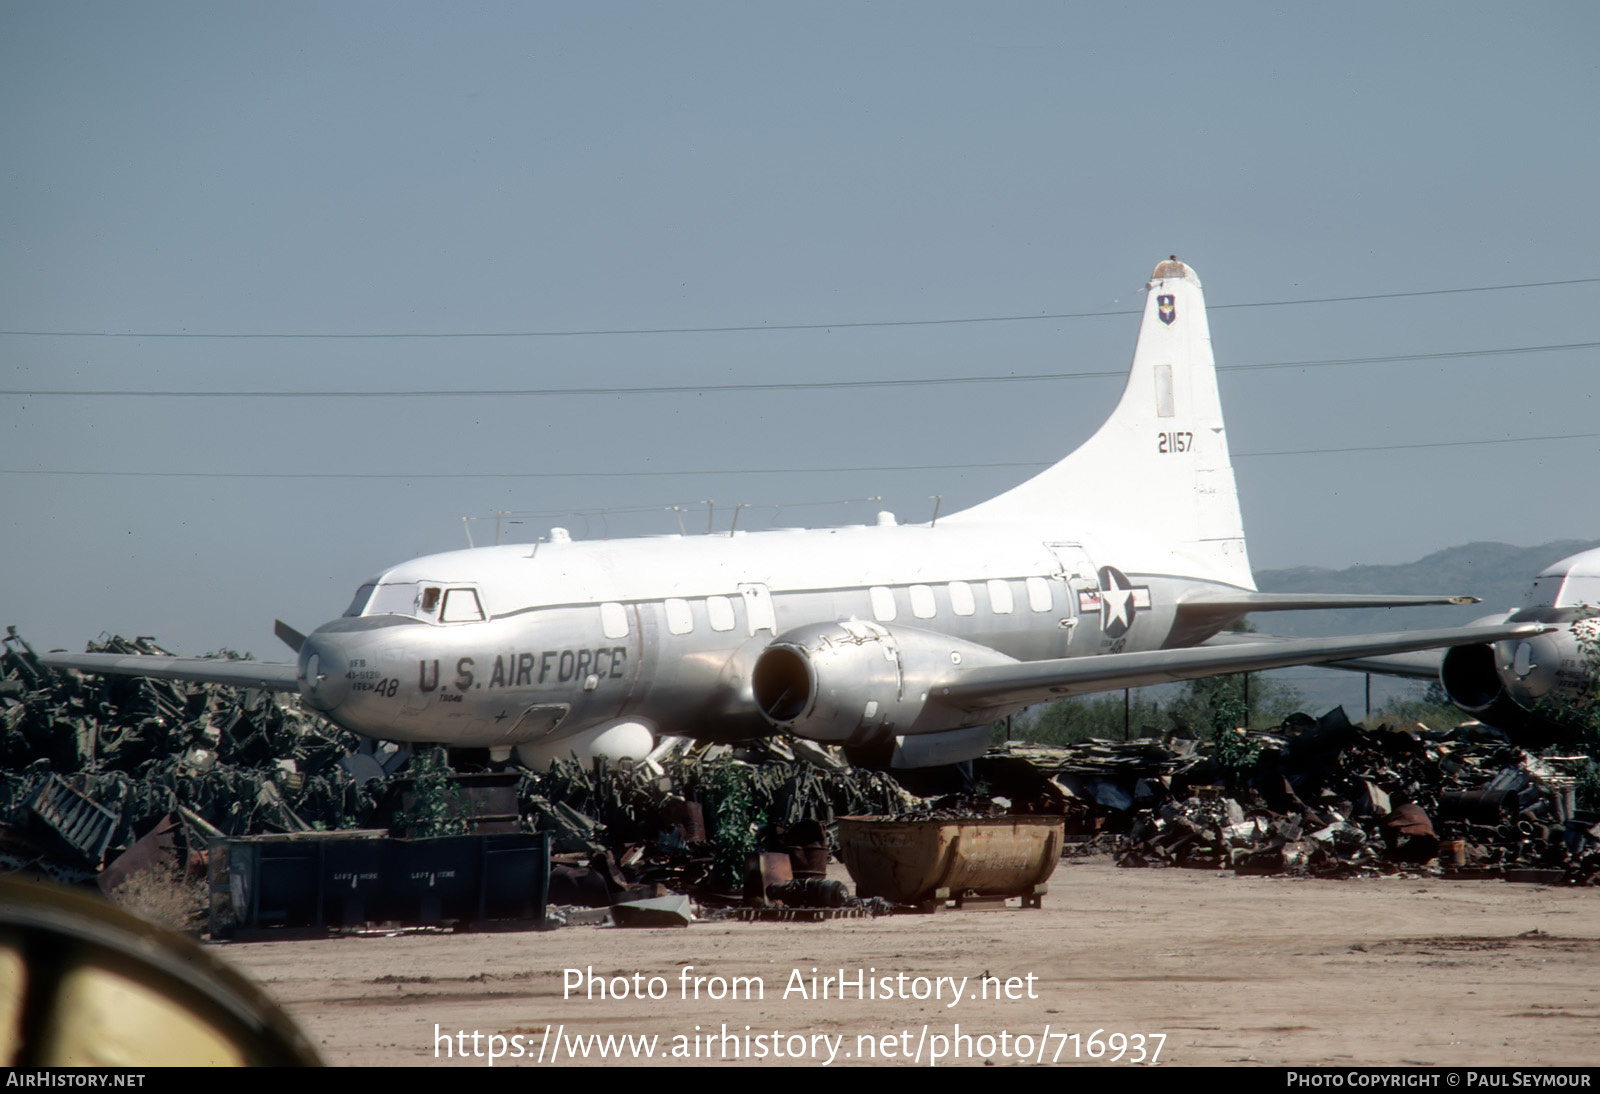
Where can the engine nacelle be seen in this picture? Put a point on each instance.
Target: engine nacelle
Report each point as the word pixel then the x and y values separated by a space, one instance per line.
pixel 856 683
pixel 1470 678
pixel 1520 686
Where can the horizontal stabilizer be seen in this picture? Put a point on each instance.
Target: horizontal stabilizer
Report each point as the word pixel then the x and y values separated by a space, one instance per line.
pixel 1206 611
pixel 1014 686
pixel 272 675
pixel 1244 600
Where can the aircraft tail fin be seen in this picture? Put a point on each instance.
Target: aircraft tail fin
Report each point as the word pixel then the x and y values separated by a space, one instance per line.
pixel 1158 470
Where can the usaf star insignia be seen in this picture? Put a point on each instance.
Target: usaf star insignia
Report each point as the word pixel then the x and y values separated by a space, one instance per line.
pixel 1120 601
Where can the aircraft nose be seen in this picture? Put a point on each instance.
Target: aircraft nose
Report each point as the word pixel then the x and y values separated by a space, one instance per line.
pixel 324 672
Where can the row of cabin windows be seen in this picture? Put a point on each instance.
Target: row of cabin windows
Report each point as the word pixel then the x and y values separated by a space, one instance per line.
pixel 463 606
pixel 680 617
pixel 963 601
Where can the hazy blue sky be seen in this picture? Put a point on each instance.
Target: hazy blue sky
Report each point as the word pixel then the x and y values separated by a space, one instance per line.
pixel 383 168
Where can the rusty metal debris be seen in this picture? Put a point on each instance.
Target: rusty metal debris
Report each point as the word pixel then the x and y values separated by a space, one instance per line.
pixel 925 863
pixel 666 911
pixel 105 779
pixel 79 823
pixel 1329 798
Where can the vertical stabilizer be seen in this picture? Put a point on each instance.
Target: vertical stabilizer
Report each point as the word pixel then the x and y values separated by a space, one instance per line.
pixel 1158 469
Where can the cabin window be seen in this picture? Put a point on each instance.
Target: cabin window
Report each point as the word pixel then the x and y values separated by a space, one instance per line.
pixel 719 612
pixel 358 605
pixel 613 620
pixel 961 601
pixel 882 603
pixel 1039 598
pixel 1000 597
pixel 922 603
pixel 680 620
pixel 461 606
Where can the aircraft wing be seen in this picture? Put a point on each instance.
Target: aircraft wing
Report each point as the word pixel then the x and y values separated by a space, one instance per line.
pixel 1422 665
pixel 271 675
pixel 1419 665
pixel 1027 682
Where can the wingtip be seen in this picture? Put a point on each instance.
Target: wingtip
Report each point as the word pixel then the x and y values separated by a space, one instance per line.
pixel 290 637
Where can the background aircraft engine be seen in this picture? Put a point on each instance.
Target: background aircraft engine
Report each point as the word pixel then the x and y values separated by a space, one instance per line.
pixel 1469 678
pixel 1510 685
pixel 856 683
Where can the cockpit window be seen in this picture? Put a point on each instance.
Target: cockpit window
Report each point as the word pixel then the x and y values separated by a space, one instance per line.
pixel 419 600
pixel 1565 590
pixel 1580 590
pixel 1543 593
pixel 397 599
pixel 461 606
pixel 357 605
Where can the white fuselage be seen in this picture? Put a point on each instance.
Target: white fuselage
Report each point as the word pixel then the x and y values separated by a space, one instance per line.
pixel 510 645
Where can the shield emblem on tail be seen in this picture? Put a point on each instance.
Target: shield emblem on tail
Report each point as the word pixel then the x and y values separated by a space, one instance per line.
pixel 1167 308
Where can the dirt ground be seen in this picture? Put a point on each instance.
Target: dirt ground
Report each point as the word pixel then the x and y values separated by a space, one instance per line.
pixel 1209 968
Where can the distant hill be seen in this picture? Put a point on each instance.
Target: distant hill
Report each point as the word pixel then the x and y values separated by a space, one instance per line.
pixel 1498 573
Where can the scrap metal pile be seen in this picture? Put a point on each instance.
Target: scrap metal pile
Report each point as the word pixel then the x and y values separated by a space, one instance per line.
pixel 88 765
pixel 687 819
pixel 1332 799
pixel 133 751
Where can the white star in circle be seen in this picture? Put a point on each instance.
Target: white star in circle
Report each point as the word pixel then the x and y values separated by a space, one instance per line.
pixel 1116 604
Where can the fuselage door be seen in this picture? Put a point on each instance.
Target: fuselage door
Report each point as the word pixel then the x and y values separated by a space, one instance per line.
pixel 1082 588
pixel 758 608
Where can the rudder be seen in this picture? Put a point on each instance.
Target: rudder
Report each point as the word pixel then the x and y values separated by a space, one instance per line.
pixel 1158 469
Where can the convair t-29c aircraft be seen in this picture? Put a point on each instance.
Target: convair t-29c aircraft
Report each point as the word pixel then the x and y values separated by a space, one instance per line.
pixel 900 642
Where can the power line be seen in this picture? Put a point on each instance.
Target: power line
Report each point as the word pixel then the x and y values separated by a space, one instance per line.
pixel 1424 444
pixel 1025 464
pixel 509 474
pixel 807 385
pixel 1401 357
pixel 766 326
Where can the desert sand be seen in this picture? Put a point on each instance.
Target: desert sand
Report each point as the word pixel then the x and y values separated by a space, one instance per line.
pixel 1188 967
